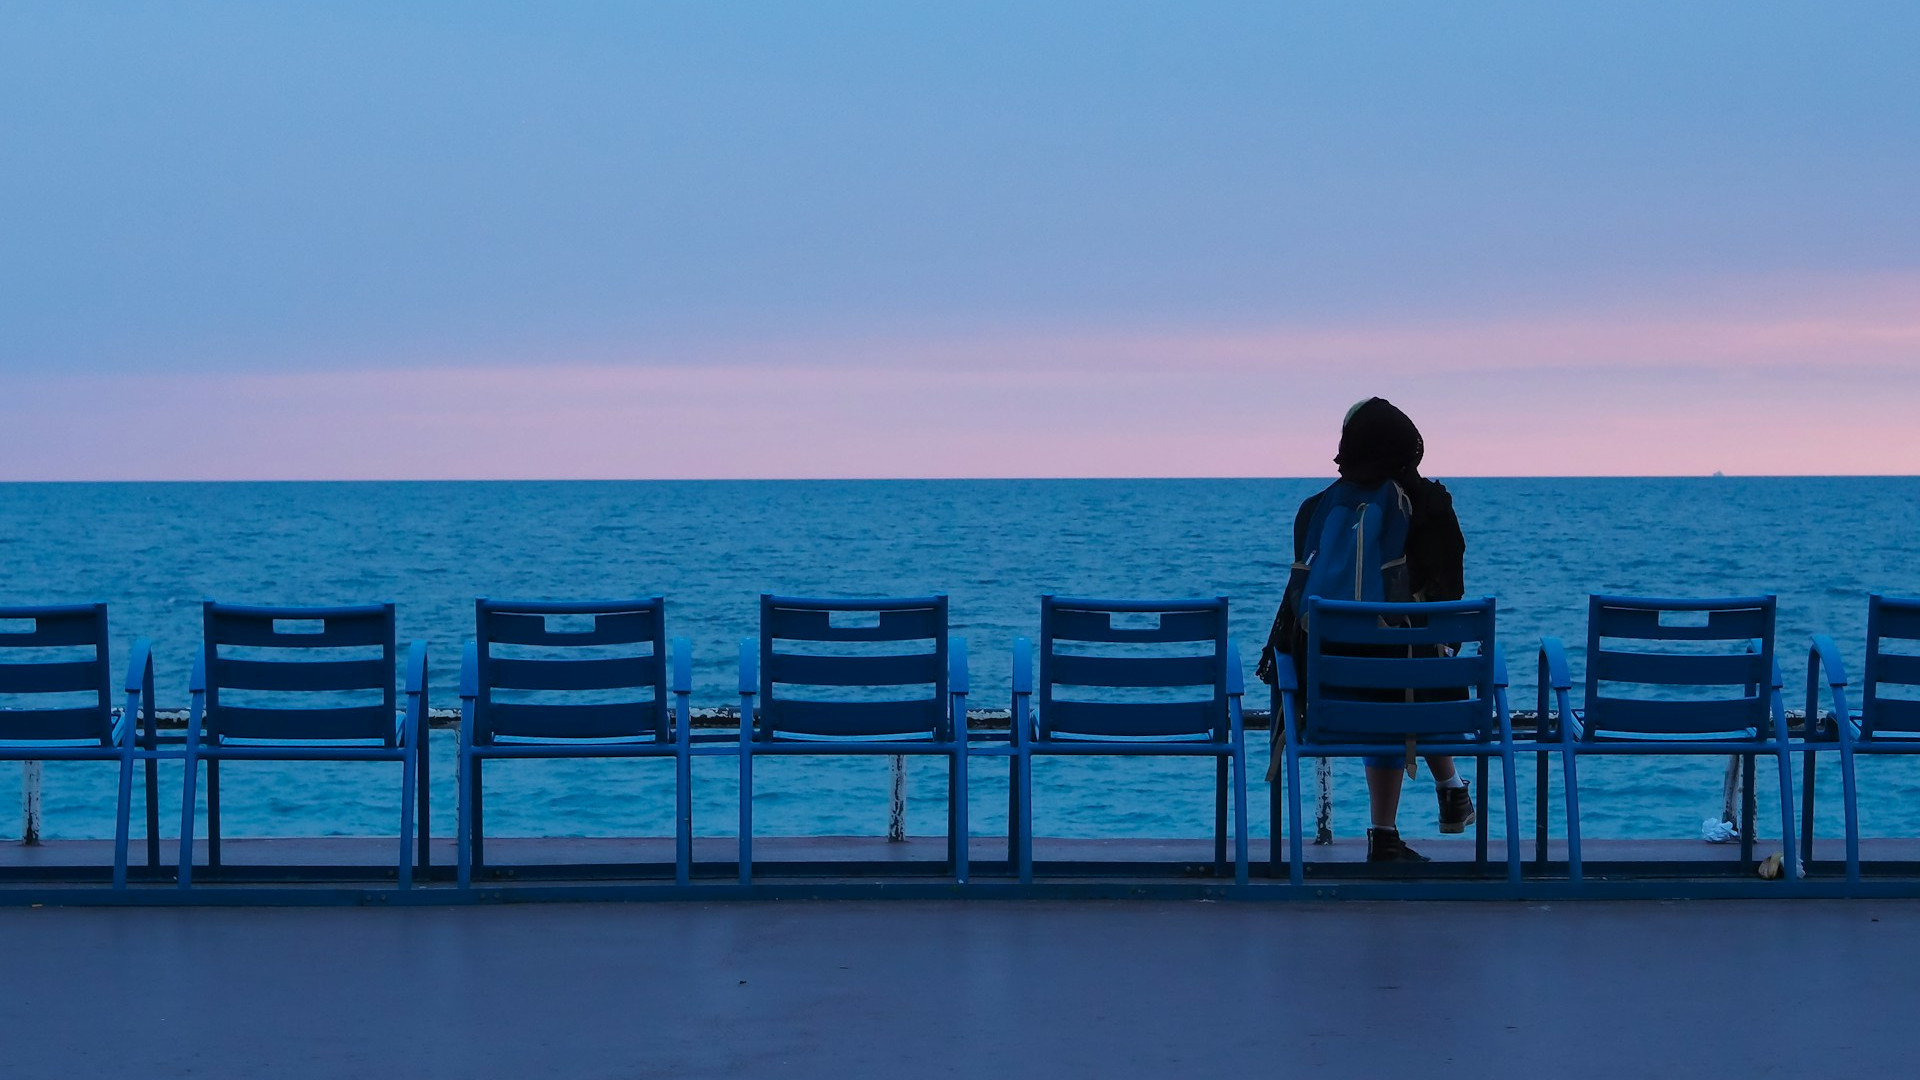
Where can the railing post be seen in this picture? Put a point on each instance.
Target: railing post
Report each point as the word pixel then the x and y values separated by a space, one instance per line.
pixel 897 810
pixel 30 802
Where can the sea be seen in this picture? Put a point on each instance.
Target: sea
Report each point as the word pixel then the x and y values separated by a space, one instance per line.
pixel 154 551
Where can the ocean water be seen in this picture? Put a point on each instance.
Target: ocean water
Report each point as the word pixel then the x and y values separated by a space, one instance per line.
pixel 154 551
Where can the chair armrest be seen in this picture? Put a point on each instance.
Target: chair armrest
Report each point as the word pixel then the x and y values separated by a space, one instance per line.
pixel 138 713
pixel 417 667
pixel 682 678
pixel 749 686
pixel 196 697
pixel 957 686
pixel 416 718
pixel 1019 719
pixel 1236 678
pixel 1554 672
pixel 681 686
pixel 1499 665
pixel 1823 659
pixel 470 671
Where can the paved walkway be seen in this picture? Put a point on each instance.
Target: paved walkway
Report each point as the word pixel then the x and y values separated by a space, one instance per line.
pixel 791 991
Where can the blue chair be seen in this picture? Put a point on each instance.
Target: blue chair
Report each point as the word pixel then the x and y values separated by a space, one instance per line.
pixel 1168 685
pixel 833 677
pixel 87 730
pixel 1884 724
pixel 1722 648
pixel 1359 704
pixel 598 690
pixel 304 684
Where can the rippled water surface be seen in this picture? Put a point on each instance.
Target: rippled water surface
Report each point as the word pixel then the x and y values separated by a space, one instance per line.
pixel 154 551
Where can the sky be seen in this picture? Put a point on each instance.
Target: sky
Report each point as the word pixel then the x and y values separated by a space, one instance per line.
pixel 685 240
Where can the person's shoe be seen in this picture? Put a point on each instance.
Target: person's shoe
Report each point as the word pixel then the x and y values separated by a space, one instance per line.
pixel 1456 808
pixel 1385 845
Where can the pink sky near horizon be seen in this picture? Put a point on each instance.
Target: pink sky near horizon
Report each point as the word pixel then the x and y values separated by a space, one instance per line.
pixel 1825 384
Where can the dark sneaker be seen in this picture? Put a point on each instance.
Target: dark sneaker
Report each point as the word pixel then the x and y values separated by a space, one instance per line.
pixel 1385 845
pixel 1456 808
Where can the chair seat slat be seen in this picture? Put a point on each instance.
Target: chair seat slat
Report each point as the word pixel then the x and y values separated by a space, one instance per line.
pixel 1400 672
pixel 604 673
pixel 911 669
pixel 1354 628
pixel 1139 719
pixel 303 725
pixel 1073 624
pixel 605 720
pixel 1334 720
pixel 622 627
pixel 1643 622
pixel 252 627
pixel 1067 669
pixel 303 675
pixel 1890 714
pixel 54 677
pixel 45 725
pixel 1899 670
pixel 1650 717
pixel 853 719
pixel 816 624
pixel 1675 669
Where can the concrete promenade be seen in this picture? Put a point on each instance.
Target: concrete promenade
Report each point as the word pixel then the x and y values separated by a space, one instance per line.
pixel 988 989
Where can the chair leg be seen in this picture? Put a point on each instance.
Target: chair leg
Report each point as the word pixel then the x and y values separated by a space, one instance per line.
pixel 1540 810
pixel 423 792
pixel 1747 804
pixel 188 784
pixel 1024 830
pixel 1848 790
pixel 746 812
pixel 123 822
pixel 957 796
pixel 683 817
pixel 404 869
pixel 463 826
pixel 1221 766
pixel 1480 819
pixel 1784 758
pixel 1567 756
pixel 1296 858
pixel 1240 815
pixel 1013 812
pixel 1509 790
pixel 1276 816
pixel 213 812
pixel 479 791
pixel 1807 770
pixel 153 813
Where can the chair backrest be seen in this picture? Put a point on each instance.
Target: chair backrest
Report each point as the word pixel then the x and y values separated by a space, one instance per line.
pixel 1720 650
pixel 1893 660
pixel 1375 670
pixel 843 667
pixel 300 674
pixel 1133 668
pixel 571 670
pixel 54 682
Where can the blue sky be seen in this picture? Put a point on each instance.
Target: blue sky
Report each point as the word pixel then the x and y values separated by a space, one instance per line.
pixel 1154 216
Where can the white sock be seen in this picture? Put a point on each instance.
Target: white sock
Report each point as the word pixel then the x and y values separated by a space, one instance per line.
pixel 1456 780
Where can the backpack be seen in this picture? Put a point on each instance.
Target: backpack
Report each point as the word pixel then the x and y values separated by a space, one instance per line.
pixel 1354 548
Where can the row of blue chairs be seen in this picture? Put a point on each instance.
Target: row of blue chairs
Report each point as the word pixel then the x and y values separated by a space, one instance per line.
pixel 868 676
pixel 601 679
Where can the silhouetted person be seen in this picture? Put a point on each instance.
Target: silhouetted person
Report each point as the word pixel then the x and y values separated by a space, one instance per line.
pixel 1378 443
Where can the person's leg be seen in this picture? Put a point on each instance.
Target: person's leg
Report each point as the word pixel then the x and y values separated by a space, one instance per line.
pixel 1456 802
pixel 1384 776
pixel 1383 795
